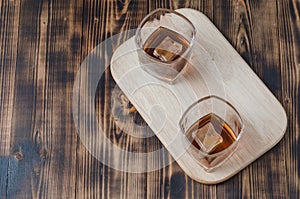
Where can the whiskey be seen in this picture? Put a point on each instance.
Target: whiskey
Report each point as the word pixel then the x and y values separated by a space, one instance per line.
pixel 165 45
pixel 211 134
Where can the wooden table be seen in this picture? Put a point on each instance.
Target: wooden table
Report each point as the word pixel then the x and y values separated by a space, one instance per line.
pixel 42 45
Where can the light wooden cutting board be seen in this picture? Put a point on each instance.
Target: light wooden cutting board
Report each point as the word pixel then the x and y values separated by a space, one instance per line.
pixel 217 69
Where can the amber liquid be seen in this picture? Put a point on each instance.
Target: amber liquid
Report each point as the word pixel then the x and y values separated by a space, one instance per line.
pixel 157 47
pixel 169 49
pixel 158 36
pixel 227 136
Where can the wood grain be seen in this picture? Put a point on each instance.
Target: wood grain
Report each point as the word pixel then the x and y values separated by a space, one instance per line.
pixel 42 44
pixel 242 88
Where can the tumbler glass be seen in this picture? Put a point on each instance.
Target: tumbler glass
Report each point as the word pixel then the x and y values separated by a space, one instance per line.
pixel 213 128
pixel 164 40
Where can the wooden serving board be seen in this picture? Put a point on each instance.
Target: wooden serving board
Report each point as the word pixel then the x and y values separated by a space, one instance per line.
pixel 215 69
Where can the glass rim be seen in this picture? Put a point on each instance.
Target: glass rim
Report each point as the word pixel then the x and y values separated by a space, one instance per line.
pixel 241 131
pixel 139 28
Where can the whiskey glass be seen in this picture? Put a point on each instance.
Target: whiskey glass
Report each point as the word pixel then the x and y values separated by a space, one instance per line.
pixel 164 40
pixel 213 128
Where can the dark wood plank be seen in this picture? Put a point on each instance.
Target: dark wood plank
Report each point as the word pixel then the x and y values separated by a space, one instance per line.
pixel 101 21
pixel 8 26
pixel 289 42
pixel 9 20
pixel 58 54
pixel 3 176
pixel 43 143
pixel 23 152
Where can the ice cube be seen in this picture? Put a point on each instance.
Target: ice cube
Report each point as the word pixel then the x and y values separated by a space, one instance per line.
pixel 168 49
pixel 207 138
